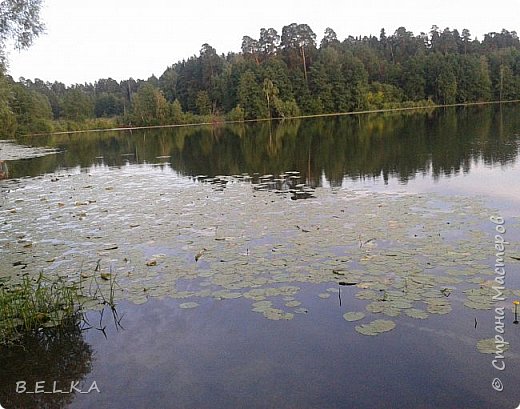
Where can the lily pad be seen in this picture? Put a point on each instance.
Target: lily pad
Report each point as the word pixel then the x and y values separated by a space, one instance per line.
pixel 368 295
pixel 416 313
pixel 438 307
pixel 375 327
pixel 489 346
pixel 354 316
pixel 187 305
pixel 376 307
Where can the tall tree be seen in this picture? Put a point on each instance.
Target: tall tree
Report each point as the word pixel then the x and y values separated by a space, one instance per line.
pixel 434 38
pixel 250 96
pixel 298 37
pixel 203 103
pixel 77 106
pixel 269 41
pixel 413 79
pixel 356 82
pixel 330 38
pixel 466 40
pixel 168 83
pixel 32 109
pixel 448 41
pixel 447 85
pixel 149 107
pixel 277 71
pixel 7 117
pixel 270 92
pixel 108 105
pixel 250 47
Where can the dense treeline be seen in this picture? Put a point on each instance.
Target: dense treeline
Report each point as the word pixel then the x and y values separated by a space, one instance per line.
pixel 280 75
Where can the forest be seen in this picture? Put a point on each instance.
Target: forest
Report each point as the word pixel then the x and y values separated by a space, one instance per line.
pixel 279 76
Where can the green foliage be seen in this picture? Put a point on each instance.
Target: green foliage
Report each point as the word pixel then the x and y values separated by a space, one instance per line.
pixel 356 83
pixel 507 86
pixel 203 103
pixel 108 105
pixel 77 105
pixel 286 109
pixel 271 93
pixel 482 87
pixel 447 85
pixel 168 83
pixel 64 125
pixel 280 76
pixel 330 38
pixel 149 107
pixel 381 96
pixel 472 77
pixel 237 114
pixel 413 79
pixel 31 305
pixel 277 71
pixel 40 304
pixel 20 23
pixel 32 110
pixel 7 117
pixel 296 36
pixel 176 114
pixel 250 96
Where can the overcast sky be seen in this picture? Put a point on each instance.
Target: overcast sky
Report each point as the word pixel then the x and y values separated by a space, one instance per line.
pixel 91 39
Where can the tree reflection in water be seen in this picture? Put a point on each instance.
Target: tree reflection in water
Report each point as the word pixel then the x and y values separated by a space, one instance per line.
pixel 443 143
pixel 54 355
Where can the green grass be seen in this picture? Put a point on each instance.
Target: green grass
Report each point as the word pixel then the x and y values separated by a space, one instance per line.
pixel 43 303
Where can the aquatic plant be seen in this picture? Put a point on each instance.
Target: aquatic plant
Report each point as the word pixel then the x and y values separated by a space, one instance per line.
pixel 34 304
pixel 44 303
pixel 398 256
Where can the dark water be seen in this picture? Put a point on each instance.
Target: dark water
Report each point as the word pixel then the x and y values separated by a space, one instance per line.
pixel 222 355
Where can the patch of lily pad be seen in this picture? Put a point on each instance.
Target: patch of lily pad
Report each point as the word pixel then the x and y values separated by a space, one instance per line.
pixel 164 235
pixel 266 308
pixel 11 150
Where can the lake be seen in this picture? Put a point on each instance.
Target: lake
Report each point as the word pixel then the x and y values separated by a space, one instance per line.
pixel 344 262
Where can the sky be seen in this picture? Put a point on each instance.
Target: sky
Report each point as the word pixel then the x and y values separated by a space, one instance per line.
pixel 119 39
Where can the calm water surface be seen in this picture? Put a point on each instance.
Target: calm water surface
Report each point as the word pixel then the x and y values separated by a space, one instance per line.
pixel 223 355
